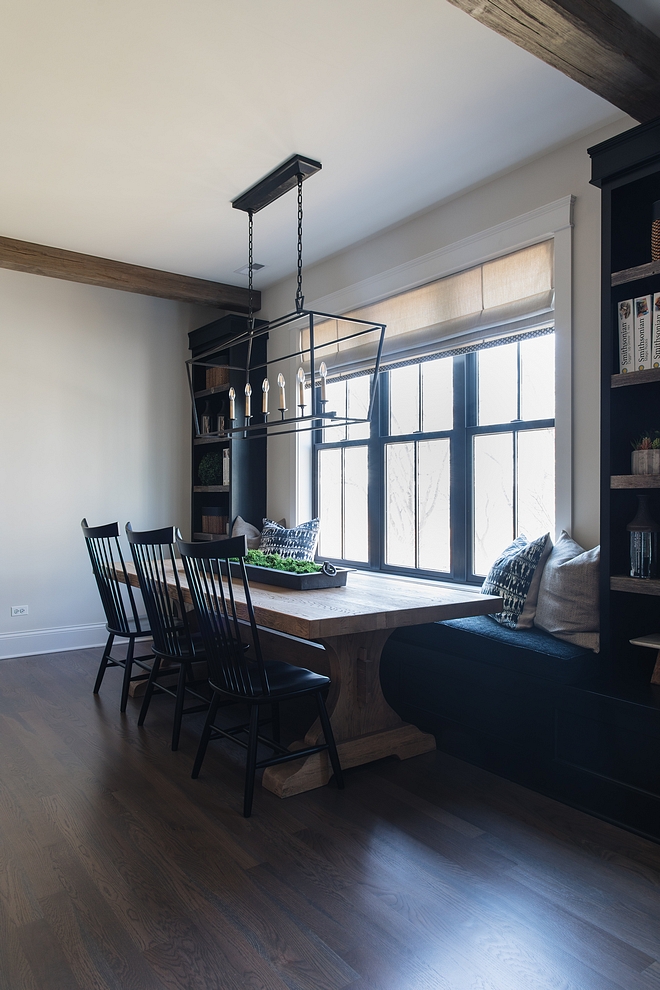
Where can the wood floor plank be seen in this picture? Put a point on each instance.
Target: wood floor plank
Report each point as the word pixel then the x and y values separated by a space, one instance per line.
pixel 118 872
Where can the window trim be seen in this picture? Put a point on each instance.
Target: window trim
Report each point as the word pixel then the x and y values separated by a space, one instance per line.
pixel 554 220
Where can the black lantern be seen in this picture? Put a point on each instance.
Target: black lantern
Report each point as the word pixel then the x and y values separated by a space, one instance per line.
pixel 313 349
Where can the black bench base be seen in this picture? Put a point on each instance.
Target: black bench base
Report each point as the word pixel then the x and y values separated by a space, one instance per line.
pixel 533 709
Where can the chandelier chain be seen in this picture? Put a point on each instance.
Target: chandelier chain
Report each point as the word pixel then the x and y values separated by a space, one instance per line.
pixel 250 300
pixel 300 299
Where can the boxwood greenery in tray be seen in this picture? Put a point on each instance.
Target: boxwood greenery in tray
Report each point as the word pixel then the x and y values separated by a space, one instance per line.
pixel 273 560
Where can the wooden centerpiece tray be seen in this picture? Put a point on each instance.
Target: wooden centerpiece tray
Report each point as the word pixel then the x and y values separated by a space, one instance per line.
pixel 288 579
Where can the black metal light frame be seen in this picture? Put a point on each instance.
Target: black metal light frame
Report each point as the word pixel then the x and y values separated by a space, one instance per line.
pixel 286 176
pixel 319 416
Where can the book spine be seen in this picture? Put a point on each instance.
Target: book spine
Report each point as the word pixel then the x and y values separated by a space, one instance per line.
pixel 643 320
pixel 626 337
pixel 655 340
pixel 225 466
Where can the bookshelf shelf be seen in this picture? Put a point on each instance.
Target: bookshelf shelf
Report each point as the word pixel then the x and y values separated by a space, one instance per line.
pixel 641 481
pixel 199 441
pixel 634 274
pixel 636 378
pixel 636 586
pixel 211 488
pixel 203 393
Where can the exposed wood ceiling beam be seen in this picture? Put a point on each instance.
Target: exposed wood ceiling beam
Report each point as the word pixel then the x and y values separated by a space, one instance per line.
pixel 593 41
pixel 22 256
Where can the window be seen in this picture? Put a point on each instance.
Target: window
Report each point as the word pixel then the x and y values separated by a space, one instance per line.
pixel 459 459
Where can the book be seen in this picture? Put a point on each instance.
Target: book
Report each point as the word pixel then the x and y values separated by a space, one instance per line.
pixel 225 466
pixel 643 322
pixel 655 338
pixel 626 337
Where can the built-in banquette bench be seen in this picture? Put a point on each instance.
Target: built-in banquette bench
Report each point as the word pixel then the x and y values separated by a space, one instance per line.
pixel 533 708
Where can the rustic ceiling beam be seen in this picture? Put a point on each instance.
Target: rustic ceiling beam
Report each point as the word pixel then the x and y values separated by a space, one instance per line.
pixel 594 42
pixel 38 259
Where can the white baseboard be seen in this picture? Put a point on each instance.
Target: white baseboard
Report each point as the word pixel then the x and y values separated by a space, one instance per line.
pixel 32 642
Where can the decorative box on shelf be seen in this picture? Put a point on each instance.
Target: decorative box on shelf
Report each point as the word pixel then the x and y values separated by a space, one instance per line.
pixel 217 376
pixel 214 520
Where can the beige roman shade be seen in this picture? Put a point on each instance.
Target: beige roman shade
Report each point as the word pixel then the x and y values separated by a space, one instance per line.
pixel 508 294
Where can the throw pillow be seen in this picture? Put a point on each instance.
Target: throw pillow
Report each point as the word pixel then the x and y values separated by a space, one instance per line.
pixel 511 578
pixel 298 543
pixel 526 620
pixel 243 528
pixel 568 596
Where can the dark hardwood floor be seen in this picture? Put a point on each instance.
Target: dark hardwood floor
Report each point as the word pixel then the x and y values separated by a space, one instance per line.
pixel 119 872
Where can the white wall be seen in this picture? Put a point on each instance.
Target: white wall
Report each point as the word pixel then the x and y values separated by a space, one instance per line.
pixel 95 423
pixel 563 172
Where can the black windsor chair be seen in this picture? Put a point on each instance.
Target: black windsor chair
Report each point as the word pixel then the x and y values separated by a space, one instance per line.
pixel 173 641
pixel 242 675
pixel 122 619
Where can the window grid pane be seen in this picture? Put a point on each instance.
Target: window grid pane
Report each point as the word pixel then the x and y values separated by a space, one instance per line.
pixel 330 503
pixel 404 400
pixel 535 488
pixel 493 523
pixel 437 395
pixel 537 378
pixel 400 504
pixel 433 478
pixel 497 385
pixel 356 506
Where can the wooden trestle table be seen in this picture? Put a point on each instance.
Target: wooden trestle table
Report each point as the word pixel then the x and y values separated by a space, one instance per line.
pixel 352 624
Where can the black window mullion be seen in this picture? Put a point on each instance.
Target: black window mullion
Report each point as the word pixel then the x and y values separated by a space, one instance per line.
pixel 458 507
pixel 471 421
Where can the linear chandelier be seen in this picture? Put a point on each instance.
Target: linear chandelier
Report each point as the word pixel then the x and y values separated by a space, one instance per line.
pixel 311 349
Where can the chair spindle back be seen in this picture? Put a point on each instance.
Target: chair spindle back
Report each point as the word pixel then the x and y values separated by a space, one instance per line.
pixel 213 590
pixel 116 597
pixel 155 565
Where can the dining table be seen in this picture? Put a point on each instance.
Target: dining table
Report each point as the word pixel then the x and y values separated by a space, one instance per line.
pixel 345 630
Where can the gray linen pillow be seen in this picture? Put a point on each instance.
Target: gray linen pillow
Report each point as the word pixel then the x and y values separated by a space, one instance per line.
pixel 567 605
pixel 253 535
pixel 243 528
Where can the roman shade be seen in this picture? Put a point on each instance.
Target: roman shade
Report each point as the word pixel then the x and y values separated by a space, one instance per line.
pixel 509 294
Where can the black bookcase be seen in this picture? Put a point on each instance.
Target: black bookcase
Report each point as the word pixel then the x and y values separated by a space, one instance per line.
pixel 245 495
pixel 627 170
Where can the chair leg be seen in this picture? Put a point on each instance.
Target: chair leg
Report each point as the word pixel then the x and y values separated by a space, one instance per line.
pixel 178 707
pixel 330 739
pixel 128 666
pixel 151 684
pixel 206 735
pixel 251 765
pixel 104 663
pixel 275 724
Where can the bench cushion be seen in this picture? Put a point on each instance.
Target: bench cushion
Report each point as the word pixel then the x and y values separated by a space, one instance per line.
pixel 528 651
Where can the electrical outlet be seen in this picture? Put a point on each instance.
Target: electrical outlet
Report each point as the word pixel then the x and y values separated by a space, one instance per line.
pixel 19 610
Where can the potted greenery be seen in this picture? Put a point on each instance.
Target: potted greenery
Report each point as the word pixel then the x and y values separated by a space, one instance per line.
pixel 646 453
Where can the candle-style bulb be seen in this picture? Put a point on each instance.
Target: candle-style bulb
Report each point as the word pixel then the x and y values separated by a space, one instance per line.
pixel 232 403
pixel 281 383
pixel 301 387
pixel 323 372
pixel 265 388
pixel 248 400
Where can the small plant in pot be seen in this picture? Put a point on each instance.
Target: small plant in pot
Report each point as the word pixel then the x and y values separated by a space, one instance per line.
pixel 646 453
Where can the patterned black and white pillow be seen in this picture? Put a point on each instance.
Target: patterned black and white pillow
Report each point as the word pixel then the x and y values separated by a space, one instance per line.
pixel 511 578
pixel 298 543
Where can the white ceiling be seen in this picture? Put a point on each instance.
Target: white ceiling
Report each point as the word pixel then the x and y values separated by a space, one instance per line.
pixel 129 125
